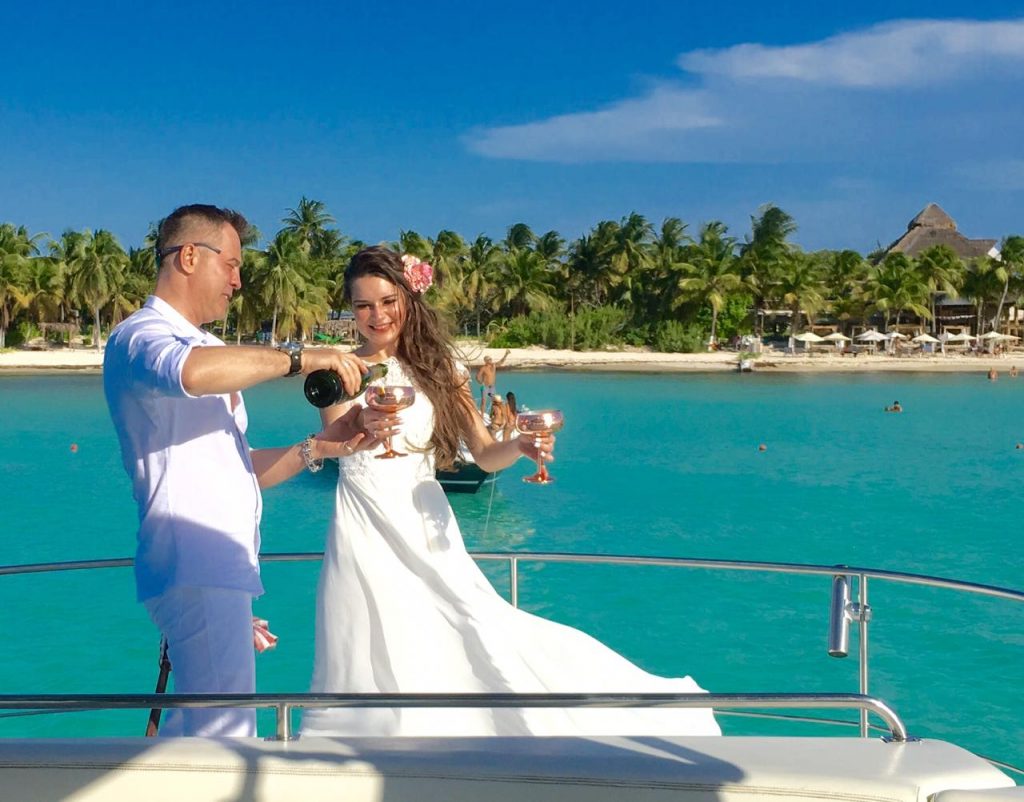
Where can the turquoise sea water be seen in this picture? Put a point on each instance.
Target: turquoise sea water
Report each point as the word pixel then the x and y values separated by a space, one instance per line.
pixel 663 465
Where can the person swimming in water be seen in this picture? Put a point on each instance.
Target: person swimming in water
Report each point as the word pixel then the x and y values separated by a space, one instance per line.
pixel 896 407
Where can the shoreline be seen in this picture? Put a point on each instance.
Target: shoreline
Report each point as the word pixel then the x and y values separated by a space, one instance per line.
pixel 633 361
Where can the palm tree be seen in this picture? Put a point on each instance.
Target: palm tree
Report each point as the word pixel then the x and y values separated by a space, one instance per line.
pixel 16 248
pixel 843 272
pixel 44 287
pixel 482 265
pixel 895 286
pixel 247 304
pixel 281 277
pixel 96 273
pixel 984 282
pixel 309 310
pixel 308 222
pixel 631 256
pixel 800 286
pixel 12 292
pixel 765 255
pixel 526 282
pixel 656 288
pixel 843 275
pixel 519 237
pixel 1011 255
pixel 943 271
pixel 711 272
pixel 65 252
pixel 17 240
pixel 551 248
pixel 588 267
pixel 414 244
pixel 136 284
pixel 446 252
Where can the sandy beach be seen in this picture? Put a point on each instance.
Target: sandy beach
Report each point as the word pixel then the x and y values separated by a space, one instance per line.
pixel 536 358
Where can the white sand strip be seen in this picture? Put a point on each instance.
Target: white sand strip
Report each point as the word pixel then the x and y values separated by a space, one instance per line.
pixel 80 359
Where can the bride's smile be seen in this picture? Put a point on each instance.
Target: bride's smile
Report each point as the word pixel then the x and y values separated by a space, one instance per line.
pixel 377 305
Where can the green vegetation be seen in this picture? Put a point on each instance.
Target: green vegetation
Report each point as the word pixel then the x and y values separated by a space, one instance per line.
pixel 623 283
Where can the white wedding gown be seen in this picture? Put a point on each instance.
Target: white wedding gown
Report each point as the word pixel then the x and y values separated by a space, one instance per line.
pixel 403 608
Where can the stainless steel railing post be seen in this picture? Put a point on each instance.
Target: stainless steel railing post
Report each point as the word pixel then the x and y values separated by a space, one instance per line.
pixel 864 615
pixel 283 728
pixel 841 612
pixel 514 580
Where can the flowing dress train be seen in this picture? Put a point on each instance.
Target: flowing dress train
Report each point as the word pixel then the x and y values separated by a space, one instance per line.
pixel 403 608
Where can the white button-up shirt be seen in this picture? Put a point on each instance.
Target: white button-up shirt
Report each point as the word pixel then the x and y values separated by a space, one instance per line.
pixel 187 457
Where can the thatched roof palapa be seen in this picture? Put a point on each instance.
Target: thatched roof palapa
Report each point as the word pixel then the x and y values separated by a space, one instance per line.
pixel 932 226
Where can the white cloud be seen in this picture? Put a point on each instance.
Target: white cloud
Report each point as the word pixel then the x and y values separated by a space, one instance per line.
pixel 906 53
pixel 906 89
pixel 631 127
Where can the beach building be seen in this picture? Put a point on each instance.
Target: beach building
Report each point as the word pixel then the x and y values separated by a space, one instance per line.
pixel 933 226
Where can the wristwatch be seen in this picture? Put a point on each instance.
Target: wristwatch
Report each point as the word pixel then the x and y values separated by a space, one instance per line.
pixel 294 351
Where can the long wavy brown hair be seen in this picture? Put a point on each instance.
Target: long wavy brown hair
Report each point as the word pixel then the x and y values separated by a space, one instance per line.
pixel 424 349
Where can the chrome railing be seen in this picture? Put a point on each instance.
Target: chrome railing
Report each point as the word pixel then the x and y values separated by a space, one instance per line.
pixel 283 704
pixel 843 611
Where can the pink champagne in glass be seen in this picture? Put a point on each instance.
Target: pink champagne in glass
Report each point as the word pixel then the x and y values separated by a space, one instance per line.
pixel 390 398
pixel 540 422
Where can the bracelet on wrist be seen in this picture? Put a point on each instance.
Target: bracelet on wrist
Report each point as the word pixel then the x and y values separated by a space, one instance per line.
pixel 306 450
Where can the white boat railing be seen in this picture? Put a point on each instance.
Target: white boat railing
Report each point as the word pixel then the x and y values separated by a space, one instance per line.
pixel 849 603
pixel 283 704
pixel 842 610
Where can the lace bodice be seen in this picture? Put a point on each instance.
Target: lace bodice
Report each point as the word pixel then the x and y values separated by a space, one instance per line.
pixel 417 427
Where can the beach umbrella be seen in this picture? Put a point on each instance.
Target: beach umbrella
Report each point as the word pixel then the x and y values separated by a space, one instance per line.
pixel 836 337
pixel 924 338
pixel 871 336
pixel 991 335
pixel 809 337
pixel 895 335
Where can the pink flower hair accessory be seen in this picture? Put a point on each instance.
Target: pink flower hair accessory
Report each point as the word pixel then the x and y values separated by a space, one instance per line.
pixel 419 274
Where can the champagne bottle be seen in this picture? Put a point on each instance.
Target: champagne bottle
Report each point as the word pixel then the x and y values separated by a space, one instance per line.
pixel 324 388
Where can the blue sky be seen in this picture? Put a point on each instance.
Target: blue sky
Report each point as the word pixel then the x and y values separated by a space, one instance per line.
pixel 475 116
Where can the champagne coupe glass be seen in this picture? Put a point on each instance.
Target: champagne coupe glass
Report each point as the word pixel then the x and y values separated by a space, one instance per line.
pixel 390 398
pixel 538 422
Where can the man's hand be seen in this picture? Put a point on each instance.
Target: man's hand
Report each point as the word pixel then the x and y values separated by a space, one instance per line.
pixel 348 366
pixel 358 429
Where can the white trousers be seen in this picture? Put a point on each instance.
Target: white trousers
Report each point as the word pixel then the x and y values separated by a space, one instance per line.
pixel 209 642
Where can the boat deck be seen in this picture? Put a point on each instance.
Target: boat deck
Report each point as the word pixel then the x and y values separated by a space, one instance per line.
pixel 493 769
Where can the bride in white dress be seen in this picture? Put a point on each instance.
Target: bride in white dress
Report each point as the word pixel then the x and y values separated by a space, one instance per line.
pixel 401 605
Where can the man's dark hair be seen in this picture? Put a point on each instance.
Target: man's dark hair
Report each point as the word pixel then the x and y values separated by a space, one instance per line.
pixel 172 226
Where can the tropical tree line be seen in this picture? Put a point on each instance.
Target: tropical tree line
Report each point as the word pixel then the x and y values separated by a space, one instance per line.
pixel 623 282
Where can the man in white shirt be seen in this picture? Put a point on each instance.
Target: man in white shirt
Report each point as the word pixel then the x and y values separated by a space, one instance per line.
pixel 173 391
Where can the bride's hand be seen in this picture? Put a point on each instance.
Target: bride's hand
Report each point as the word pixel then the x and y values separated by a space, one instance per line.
pixel 539 446
pixel 377 425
